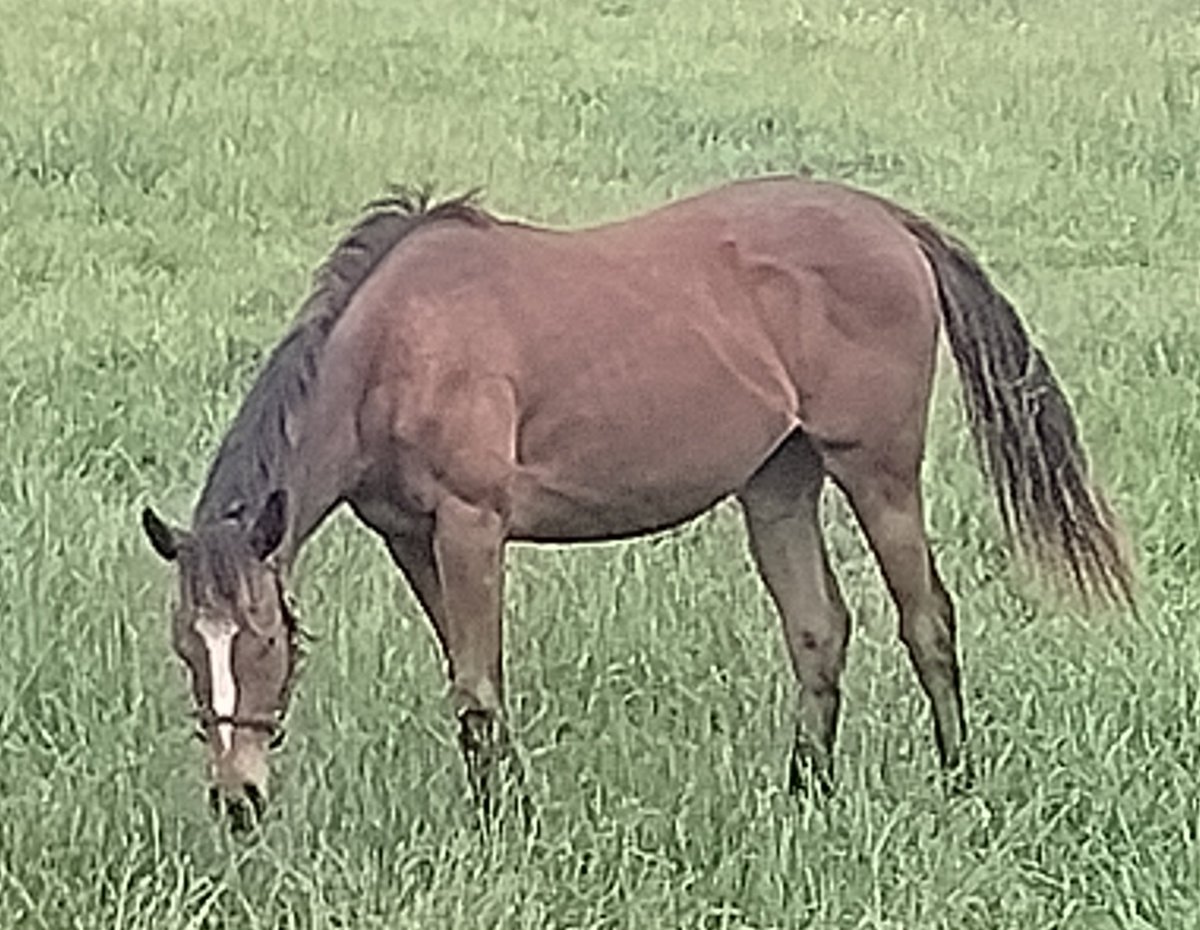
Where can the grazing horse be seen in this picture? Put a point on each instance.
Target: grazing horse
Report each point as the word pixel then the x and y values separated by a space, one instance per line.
pixel 462 381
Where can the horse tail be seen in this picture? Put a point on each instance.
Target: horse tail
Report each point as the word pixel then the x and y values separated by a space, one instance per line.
pixel 1023 427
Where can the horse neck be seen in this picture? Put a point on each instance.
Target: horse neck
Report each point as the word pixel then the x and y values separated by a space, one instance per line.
pixel 312 472
pixel 311 500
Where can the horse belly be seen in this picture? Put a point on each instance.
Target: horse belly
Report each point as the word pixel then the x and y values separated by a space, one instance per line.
pixel 614 458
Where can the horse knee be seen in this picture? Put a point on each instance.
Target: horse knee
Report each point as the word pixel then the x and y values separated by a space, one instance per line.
pixel 819 656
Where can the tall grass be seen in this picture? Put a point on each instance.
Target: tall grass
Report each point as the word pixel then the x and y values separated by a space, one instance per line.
pixel 169 174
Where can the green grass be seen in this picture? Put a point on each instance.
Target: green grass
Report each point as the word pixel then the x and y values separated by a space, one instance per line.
pixel 170 173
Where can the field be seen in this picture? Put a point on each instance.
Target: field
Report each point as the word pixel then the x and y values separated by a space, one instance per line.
pixel 170 173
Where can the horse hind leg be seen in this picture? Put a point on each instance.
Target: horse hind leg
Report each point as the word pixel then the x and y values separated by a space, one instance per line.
pixel 887 501
pixel 781 503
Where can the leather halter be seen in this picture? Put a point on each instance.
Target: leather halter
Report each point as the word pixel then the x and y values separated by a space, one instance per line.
pixel 272 726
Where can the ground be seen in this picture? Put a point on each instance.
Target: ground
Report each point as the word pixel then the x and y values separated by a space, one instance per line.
pixel 171 172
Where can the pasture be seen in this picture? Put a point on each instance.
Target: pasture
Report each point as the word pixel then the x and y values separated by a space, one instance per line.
pixel 171 173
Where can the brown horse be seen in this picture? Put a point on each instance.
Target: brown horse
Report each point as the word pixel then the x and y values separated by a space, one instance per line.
pixel 462 381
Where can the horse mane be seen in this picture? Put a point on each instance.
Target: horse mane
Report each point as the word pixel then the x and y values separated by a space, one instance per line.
pixel 252 455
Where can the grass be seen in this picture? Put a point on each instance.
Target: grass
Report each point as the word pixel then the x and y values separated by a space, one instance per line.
pixel 170 173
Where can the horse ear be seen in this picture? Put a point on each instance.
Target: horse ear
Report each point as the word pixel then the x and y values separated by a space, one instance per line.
pixel 267 532
pixel 164 539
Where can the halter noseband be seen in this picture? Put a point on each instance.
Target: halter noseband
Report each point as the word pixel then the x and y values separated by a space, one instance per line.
pixel 272 726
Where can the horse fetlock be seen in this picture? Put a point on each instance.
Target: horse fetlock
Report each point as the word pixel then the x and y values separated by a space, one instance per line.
pixel 958 777
pixel 950 732
pixel 479 731
pixel 475 695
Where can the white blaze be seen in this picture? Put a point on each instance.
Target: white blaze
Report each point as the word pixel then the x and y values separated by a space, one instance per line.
pixel 218 640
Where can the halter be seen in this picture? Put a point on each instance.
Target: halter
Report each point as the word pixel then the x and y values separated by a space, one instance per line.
pixel 272 726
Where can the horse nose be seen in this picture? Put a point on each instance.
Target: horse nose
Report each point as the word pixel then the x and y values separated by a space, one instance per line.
pixel 245 763
pixel 244 809
pixel 238 781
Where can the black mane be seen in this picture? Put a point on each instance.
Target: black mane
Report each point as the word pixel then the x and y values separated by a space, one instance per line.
pixel 252 456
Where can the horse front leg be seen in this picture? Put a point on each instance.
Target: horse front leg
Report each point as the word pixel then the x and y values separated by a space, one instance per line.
pixel 468 552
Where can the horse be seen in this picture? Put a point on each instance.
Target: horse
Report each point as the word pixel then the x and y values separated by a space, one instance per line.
pixel 461 381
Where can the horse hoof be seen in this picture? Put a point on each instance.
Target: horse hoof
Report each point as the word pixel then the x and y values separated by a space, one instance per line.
pixel 809 778
pixel 958 780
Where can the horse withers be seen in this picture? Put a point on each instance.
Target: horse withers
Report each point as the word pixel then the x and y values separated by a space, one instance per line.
pixel 461 381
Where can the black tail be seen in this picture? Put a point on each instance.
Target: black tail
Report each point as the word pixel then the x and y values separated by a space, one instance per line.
pixel 1023 426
